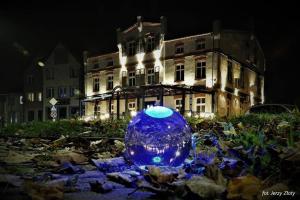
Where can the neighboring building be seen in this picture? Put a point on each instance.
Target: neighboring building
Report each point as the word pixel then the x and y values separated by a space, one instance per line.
pixel 11 108
pixel 62 80
pixel 220 72
pixel 33 92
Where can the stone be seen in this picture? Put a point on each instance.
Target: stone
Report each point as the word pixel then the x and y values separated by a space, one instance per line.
pixel 205 187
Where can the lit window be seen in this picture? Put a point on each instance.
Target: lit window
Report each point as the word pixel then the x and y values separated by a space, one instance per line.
pixel 131 48
pixel 200 105
pixel 201 69
pixel 150 76
pixel 200 44
pixel 39 96
pixel 178 104
pixel 96 85
pixel 110 82
pixel 179 72
pixel 30 96
pixel 179 49
pixel 131 78
pixel 131 106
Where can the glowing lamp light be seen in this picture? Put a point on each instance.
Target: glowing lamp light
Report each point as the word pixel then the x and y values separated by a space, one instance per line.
pixel 158 136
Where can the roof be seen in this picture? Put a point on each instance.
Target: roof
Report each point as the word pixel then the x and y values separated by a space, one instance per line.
pixel 187 37
pixel 143 23
pixel 92 59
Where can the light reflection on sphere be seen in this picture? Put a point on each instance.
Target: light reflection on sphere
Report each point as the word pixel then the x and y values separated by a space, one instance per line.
pixel 158 136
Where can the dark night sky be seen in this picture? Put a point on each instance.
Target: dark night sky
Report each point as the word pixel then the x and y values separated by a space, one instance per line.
pixel 37 27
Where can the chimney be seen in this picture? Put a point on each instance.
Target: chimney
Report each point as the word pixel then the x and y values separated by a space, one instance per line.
pixel 85 56
pixel 216 26
pixel 119 36
pixel 163 24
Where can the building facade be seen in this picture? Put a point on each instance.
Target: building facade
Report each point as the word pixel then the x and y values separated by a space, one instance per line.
pixel 220 72
pixel 33 92
pixel 62 81
pixel 11 108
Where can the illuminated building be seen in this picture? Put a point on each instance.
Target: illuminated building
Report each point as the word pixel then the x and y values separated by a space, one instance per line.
pixel 220 72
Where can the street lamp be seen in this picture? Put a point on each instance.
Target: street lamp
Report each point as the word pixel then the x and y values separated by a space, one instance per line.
pixel 41 64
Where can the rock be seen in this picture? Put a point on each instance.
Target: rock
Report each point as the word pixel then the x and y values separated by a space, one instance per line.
pixel 14 157
pixel 12 180
pixel 122 178
pixel 161 174
pixel 68 168
pixel 45 191
pixel 205 187
pixel 69 156
pixel 59 142
pixel 110 165
pixel 101 187
pixel 244 187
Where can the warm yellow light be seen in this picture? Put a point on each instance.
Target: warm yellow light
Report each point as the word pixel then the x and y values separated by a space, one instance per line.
pixel 236 92
pixel 251 98
pixel 133 113
pixel 189 114
pixel 207 115
pixel 140 58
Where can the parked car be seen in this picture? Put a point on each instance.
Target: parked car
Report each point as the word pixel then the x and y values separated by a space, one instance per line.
pixel 273 108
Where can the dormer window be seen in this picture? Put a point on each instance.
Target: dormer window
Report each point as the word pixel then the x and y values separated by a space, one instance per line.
pixel 179 49
pixel 131 48
pixel 110 62
pixel 150 43
pixel 200 44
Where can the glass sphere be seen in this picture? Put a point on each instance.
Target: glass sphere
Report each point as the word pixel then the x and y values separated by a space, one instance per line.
pixel 158 136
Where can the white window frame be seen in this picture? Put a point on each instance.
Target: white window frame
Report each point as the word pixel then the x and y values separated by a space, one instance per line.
pixel 201 65
pixel 110 80
pixel 178 104
pixel 131 78
pixel 200 105
pixel 200 44
pixel 150 76
pixel 180 69
pixel 96 84
pixel 179 49
pixel 131 106
pixel 131 48
pixel 150 43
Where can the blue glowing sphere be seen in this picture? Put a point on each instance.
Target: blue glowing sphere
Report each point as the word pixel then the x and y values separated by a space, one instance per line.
pixel 158 136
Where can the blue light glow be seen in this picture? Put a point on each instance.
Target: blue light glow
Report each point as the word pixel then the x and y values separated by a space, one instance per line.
pixel 158 136
pixel 159 112
pixel 156 159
